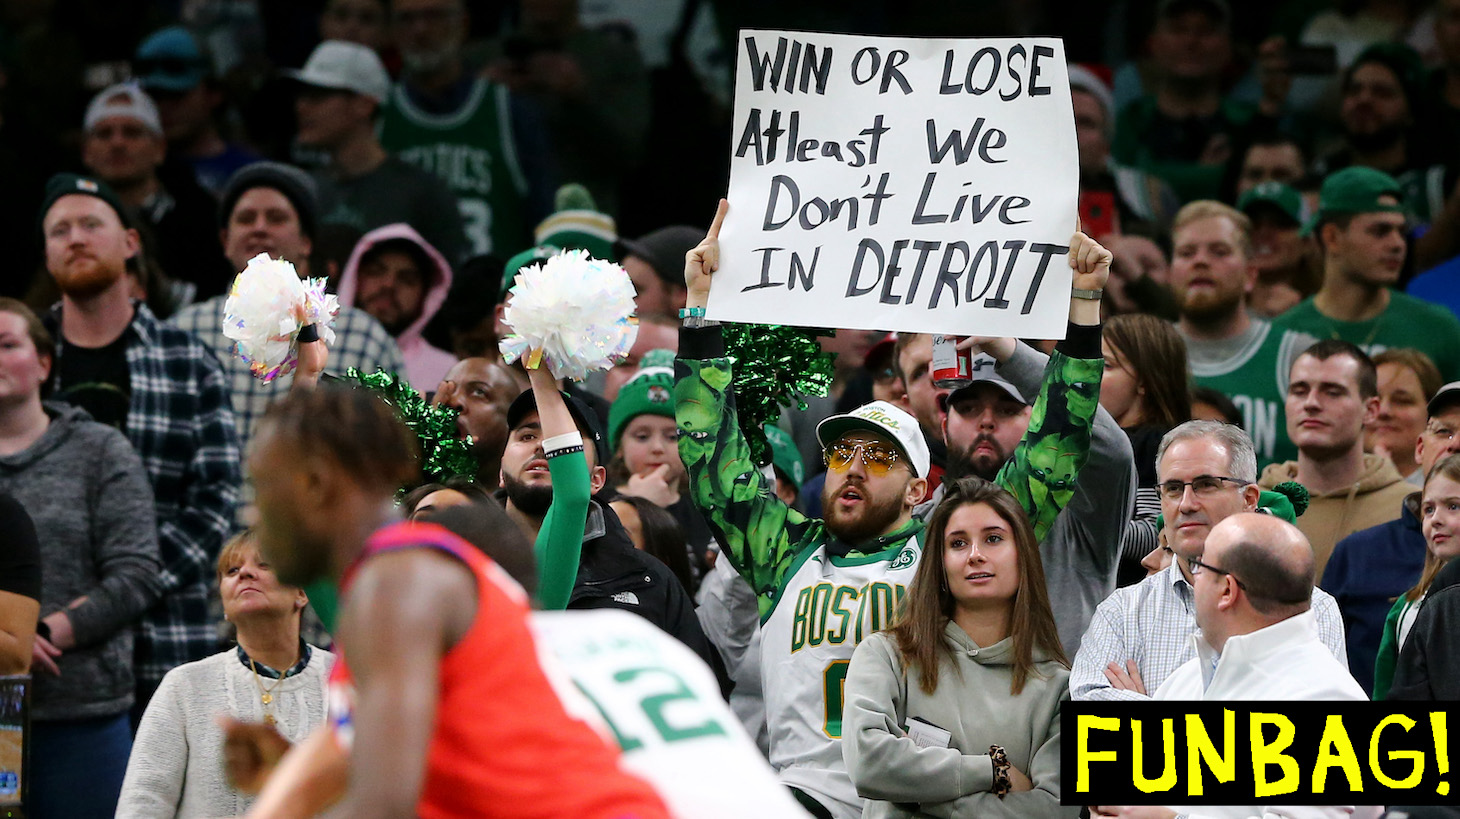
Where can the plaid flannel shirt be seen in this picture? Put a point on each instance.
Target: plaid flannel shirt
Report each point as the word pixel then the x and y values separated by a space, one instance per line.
pixel 359 342
pixel 181 425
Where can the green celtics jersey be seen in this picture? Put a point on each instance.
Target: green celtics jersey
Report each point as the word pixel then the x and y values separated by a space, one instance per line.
pixel 472 149
pixel 1255 376
pixel 818 598
pixel 1406 322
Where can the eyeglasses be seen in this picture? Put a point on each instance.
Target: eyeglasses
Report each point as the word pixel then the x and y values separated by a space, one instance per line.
pixel 879 459
pixel 1202 485
pixel 1197 567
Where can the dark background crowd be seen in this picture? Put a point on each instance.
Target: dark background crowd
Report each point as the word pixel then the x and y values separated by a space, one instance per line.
pixel 1268 177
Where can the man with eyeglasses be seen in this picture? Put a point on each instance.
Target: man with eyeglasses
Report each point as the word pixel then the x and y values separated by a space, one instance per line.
pixel 822 585
pixel 1371 567
pixel 1141 634
pixel 1252 591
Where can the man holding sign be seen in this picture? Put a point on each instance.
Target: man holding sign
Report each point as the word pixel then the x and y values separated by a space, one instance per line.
pixel 823 585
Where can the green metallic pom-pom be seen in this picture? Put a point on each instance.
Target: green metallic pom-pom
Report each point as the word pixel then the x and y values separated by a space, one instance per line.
pixel 443 454
pixel 774 367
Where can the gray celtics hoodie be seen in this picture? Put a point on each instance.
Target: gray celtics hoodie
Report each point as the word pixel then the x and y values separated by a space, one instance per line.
pixel 86 490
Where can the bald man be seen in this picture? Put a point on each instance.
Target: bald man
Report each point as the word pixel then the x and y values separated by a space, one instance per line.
pixel 1253 589
pixel 1253 586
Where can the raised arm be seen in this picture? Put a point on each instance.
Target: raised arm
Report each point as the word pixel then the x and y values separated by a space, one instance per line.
pixel 1045 464
pixel 755 528
pixel 560 540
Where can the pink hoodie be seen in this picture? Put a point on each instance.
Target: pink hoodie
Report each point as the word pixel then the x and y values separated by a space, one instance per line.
pixel 425 365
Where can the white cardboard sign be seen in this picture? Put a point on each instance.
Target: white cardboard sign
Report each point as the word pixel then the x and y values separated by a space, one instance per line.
pixel 893 183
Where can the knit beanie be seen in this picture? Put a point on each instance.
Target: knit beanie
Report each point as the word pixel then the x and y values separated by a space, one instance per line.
pixel 64 184
pixel 577 224
pixel 294 184
pixel 649 392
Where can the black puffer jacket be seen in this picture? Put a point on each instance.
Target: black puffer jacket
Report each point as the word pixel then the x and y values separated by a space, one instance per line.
pixel 613 574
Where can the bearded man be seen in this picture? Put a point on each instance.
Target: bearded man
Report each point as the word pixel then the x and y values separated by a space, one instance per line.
pixel 1244 356
pixel 822 585
pixel 160 386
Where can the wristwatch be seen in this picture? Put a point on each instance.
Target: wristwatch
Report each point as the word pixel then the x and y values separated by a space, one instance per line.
pixel 1088 295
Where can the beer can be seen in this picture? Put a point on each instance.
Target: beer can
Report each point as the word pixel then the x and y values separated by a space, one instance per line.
pixel 952 367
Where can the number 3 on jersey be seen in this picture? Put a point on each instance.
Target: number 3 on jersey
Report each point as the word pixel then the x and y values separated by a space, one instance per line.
pixel 834 690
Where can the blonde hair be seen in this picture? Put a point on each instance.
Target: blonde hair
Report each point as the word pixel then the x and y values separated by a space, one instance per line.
pixel 1209 209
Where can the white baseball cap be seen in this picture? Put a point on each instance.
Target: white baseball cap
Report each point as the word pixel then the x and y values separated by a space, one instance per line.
pixel 125 99
pixel 345 67
pixel 885 419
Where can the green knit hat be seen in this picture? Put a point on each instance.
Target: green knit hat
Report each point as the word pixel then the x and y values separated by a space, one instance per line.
pixel 784 455
pixel 577 224
pixel 649 392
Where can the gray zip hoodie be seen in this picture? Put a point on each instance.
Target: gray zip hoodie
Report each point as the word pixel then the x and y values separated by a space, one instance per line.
pixel 88 494
pixel 973 704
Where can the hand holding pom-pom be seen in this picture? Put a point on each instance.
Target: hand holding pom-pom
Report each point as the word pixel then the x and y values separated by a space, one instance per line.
pixel 268 308
pixel 577 310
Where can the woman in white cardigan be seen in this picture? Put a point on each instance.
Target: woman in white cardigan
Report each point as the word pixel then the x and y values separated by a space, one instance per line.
pixel 271 677
pixel 955 710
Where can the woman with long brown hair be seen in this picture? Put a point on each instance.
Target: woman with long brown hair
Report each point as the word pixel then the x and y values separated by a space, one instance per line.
pixel 1146 388
pixel 959 702
pixel 1440 522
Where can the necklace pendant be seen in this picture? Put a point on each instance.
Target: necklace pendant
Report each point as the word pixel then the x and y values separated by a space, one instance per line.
pixel 268 698
pixel 269 718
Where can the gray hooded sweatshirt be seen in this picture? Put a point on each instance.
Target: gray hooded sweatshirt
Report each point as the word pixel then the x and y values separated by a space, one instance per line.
pixel 89 496
pixel 974 705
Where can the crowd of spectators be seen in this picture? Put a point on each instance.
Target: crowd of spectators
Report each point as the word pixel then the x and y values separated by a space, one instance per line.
pixel 1269 197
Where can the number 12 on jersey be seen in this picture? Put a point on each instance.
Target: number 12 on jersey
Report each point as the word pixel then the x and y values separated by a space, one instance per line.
pixel 672 708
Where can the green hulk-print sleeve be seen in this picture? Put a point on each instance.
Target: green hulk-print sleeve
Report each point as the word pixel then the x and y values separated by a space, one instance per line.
pixel 560 540
pixel 755 529
pixel 1042 472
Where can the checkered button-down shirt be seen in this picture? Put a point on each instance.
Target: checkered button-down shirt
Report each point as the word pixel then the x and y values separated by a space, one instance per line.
pixel 360 342
pixel 181 425
pixel 1152 623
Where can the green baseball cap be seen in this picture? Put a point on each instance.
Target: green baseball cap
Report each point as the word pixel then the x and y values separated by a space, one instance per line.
pixel 1274 195
pixel 784 455
pixel 1356 190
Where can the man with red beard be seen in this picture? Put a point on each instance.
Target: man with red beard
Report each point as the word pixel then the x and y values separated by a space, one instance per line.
pixel 1241 355
pixel 164 390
